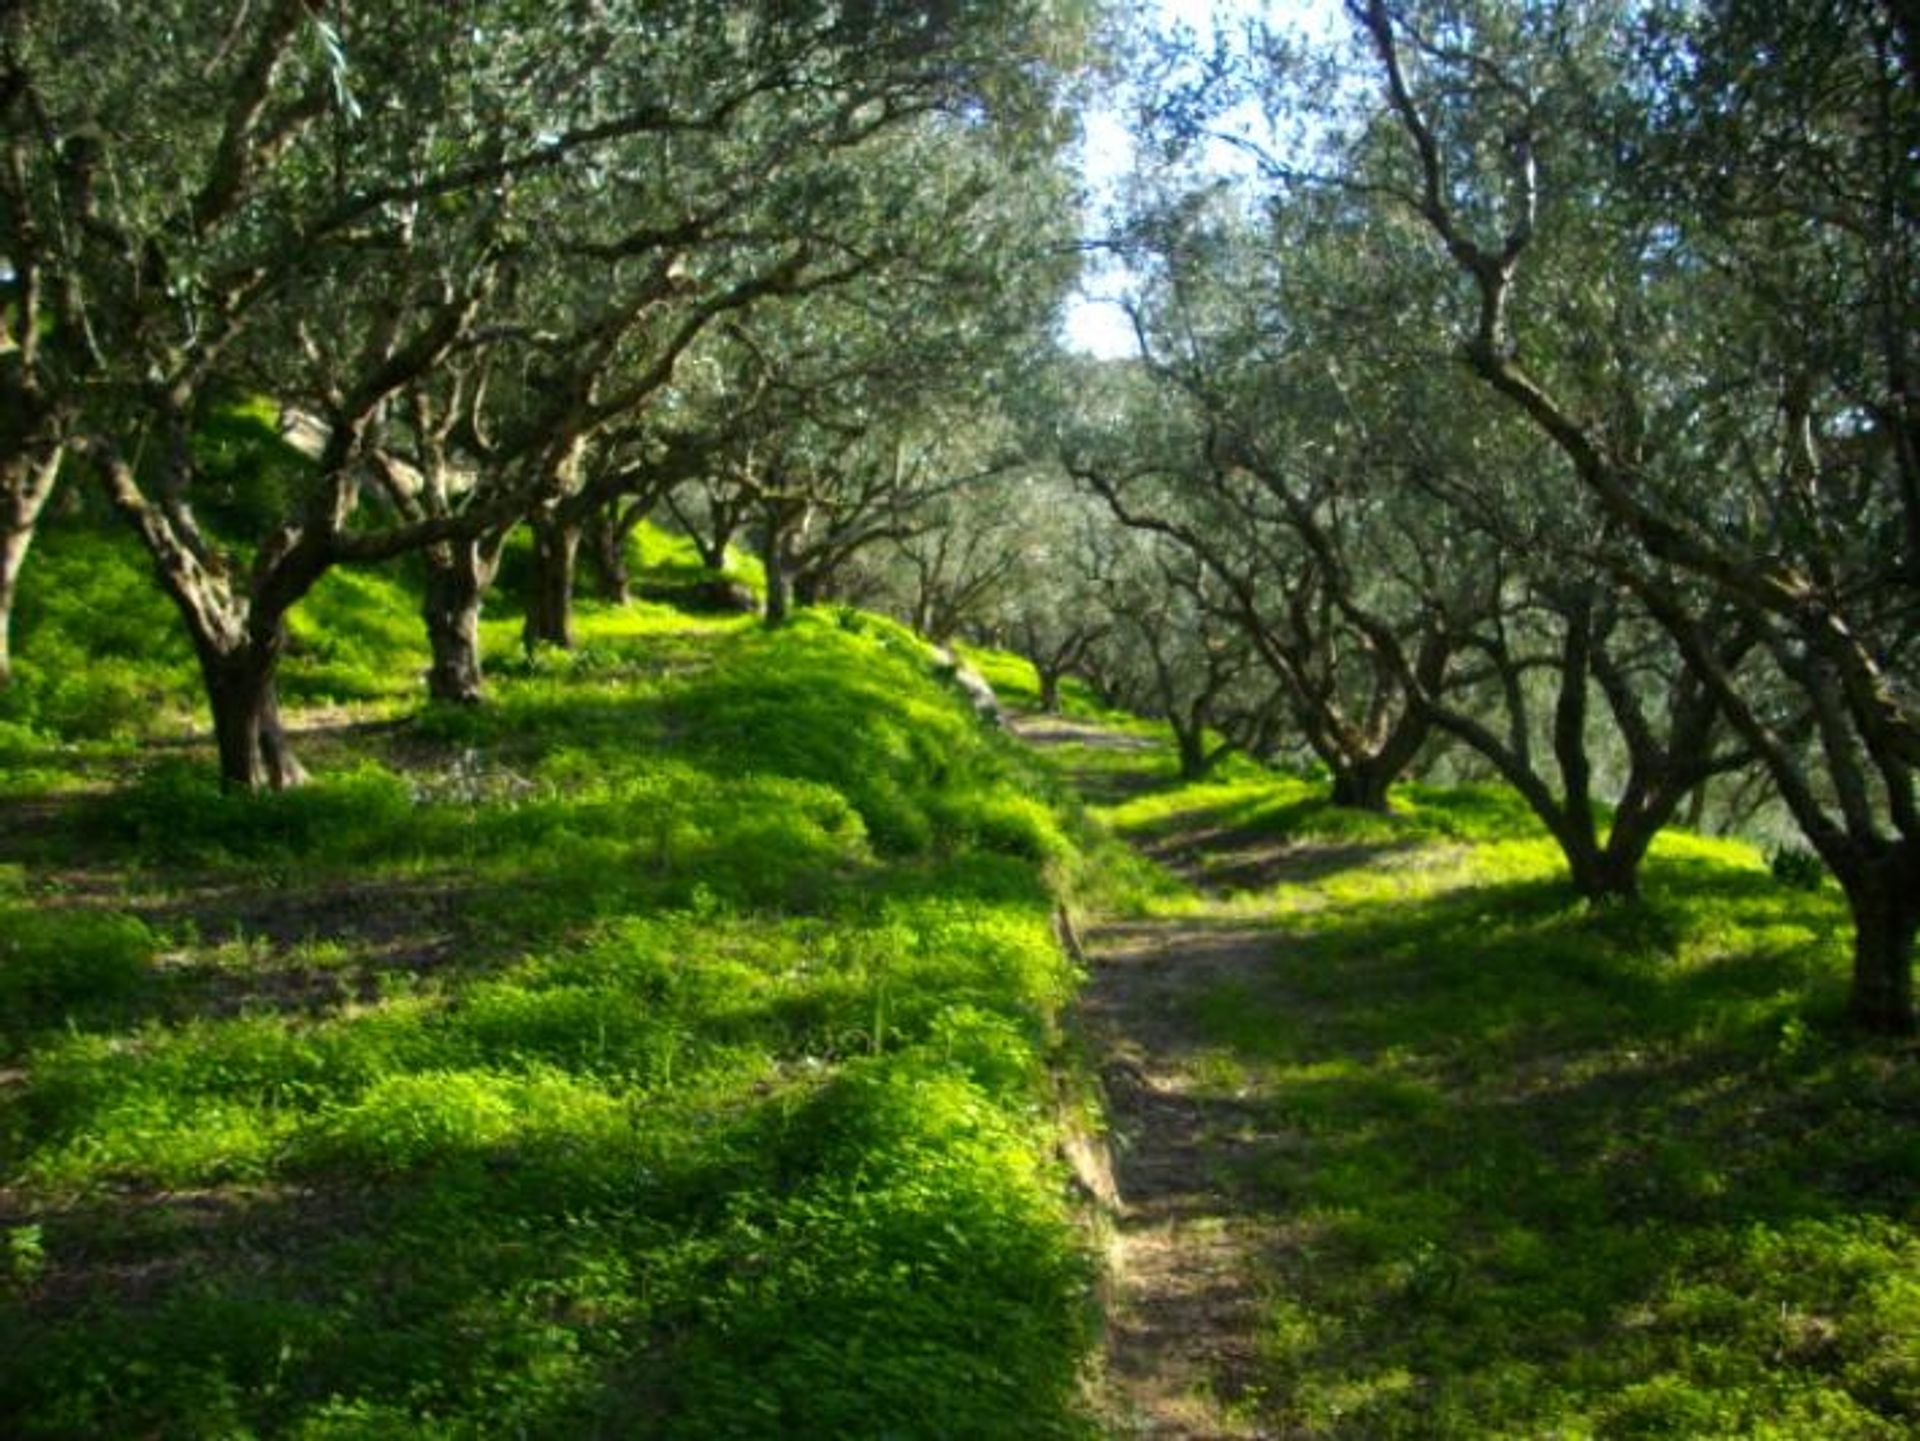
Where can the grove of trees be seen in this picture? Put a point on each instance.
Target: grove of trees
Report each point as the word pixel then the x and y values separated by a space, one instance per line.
pixel 1540 385
pixel 473 246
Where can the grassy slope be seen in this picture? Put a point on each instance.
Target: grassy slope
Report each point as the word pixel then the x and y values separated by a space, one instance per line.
pixel 660 1050
pixel 1542 1170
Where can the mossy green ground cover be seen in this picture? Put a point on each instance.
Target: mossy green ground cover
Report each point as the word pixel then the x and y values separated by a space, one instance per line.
pixel 661 1049
pixel 1521 1168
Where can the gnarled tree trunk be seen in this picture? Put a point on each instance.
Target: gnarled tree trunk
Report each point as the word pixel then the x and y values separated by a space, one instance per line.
pixel 1883 894
pixel 238 635
pixel 775 560
pixel 606 538
pixel 458 574
pixel 556 549
pixel 1049 689
pixel 1362 785
pixel 1609 872
pixel 1191 742
pixel 242 692
pixel 1365 767
pixel 27 484
pixel 13 554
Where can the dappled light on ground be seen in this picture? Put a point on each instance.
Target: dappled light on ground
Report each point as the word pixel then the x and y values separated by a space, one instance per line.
pixel 1410 1143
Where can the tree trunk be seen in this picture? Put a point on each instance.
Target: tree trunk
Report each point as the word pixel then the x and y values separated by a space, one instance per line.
pixel 1363 786
pixel 1634 830
pixel 556 547
pixel 458 574
pixel 1361 781
pixel 238 638
pixel 1886 914
pixel 1049 690
pixel 606 544
pixel 1604 874
pixel 1696 807
pixel 13 554
pixel 242 691
pixel 773 557
pixel 1194 760
pixel 29 482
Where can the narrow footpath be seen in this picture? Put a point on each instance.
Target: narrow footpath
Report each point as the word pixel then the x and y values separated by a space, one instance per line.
pixel 1183 1315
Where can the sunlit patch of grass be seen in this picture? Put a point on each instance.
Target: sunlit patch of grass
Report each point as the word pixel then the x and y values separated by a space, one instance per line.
pixel 1017 684
pixel 660 1049
pixel 1298 809
pixel 357 636
pixel 99 653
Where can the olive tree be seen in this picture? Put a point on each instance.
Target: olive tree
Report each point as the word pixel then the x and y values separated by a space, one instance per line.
pixel 1197 444
pixel 1688 257
pixel 334 206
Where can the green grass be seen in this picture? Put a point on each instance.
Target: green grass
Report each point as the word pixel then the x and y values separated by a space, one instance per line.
pixel 670 1047
pixel 660 1050
pixel 1015 681
pixel 1542 1169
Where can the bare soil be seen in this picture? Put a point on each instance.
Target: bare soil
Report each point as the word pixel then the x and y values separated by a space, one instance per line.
pixel 1183 1315
pixel 1181 1337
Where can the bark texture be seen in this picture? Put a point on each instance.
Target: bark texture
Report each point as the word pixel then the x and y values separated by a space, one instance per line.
pixel 556 550
pixel 27 485
pixel 458 574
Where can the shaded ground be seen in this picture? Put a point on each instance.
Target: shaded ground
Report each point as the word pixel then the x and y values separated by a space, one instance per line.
pixel 1407 1142
pixel 1087 754
pixel 1180 1347
pixel 545 1076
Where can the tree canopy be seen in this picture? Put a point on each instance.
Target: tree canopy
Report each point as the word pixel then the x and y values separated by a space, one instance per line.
pixel 1534 396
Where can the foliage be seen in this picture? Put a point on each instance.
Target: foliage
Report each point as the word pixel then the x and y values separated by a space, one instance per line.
pixel 1658 528
pixel 249 472
pixel 468 277
pixel 98 656
pixel 1797 867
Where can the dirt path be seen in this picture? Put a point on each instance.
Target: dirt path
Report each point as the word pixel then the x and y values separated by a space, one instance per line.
pixel 1181 1336
pixel 1183 1318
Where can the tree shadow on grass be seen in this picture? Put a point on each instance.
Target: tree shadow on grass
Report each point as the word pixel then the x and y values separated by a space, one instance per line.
pixel 94 959
pixel 659 1270
pixel 404 1294
pixel 1537 1156
pixel 1220 862
pixel 1107 786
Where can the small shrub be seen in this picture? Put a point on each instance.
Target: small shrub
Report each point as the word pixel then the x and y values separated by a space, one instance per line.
pixel 177 812
pixel 61 968
pixel 1797 868
pixel 407 1119
pixel 248 471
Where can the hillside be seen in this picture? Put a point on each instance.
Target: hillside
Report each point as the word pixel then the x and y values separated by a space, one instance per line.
pixel 1410 1143
pixel 680 1045
pixel 648 788
pixel 661 1049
